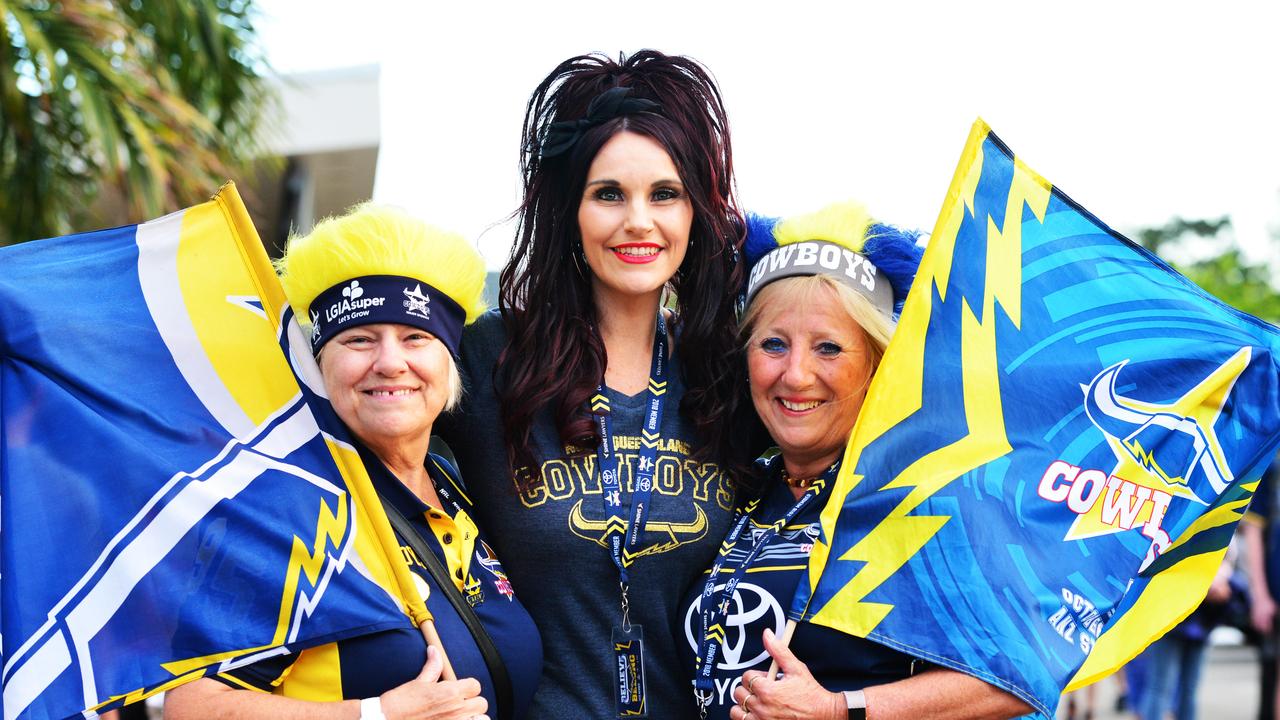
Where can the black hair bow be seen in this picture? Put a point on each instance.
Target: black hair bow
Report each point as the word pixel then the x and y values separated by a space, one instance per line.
pixel 561 136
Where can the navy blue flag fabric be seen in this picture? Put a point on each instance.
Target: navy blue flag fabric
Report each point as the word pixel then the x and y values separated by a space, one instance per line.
pixel 170 506
pixel 1054 452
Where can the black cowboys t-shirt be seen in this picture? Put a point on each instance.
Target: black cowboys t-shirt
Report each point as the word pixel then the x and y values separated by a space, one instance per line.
pixel 552 540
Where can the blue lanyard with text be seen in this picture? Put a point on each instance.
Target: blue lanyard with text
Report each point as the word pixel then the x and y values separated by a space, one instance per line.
pixel 715 606
pixel 621 545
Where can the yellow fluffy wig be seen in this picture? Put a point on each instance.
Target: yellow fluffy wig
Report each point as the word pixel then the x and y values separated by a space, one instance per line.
pixel 379 240
pixel 844 223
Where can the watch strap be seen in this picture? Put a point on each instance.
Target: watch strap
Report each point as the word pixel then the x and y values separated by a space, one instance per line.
pixel 856 702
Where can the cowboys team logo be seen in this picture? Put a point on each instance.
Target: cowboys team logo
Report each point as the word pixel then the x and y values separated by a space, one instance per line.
pixel 489 561
pixel 415 303
pixel 671 535
pixel 1162 451
pixel 684 492
pixel 739 649
pixel 799 541
pixel 1162 440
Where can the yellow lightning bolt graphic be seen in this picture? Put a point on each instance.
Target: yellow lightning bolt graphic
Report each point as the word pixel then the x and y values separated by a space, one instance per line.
pixel 897 391
pixel 331 528
pixel 134 696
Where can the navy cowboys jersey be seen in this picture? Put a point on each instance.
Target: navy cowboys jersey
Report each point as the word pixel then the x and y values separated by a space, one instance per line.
pixel 762 599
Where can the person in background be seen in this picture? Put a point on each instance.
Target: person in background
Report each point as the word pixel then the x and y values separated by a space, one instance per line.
pixel 1081 704
pixel 1174 661
pixel 1261 530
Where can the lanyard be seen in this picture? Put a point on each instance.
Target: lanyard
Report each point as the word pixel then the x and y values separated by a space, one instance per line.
pixel 715 606
pixel 621 544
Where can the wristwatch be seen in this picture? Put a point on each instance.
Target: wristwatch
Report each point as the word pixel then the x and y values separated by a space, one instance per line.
pixel 371 709
pixel 856 701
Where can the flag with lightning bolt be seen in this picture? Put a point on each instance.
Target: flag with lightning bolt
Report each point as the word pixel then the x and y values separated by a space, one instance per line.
pixel 1054 452
pixel 176 500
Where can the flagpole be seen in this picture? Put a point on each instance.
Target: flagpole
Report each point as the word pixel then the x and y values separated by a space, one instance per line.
pixel 432 637
pixel 429 633
pixel 787 632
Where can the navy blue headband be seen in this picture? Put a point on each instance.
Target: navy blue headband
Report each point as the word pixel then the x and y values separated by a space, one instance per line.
pixel 386 299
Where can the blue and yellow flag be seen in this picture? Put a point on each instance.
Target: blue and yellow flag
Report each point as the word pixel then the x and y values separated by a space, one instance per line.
pixel 170 503
pixel 1054 452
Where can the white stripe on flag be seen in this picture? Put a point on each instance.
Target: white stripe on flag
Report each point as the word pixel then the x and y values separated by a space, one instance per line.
pixel 144 549
pixel 158 243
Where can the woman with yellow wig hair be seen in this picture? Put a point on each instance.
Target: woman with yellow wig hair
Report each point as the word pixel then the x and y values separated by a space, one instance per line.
pixel 386 297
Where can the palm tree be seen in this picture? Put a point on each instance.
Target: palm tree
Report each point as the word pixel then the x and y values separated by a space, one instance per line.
pixel 157 101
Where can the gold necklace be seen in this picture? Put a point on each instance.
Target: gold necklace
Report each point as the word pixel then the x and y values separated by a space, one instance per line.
pixel 801 483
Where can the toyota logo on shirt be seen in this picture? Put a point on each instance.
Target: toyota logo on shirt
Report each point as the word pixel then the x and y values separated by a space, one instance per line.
pixel 741 649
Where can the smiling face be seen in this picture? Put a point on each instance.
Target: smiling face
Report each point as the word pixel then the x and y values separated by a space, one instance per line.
pixel 387 382
pixel 634 217
pixel 809 365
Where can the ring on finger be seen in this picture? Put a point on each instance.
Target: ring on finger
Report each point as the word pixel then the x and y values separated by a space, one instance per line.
pixel 746 700
pixel 751 686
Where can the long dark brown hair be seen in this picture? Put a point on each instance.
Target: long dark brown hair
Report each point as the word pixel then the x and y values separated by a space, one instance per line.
pixel 554 357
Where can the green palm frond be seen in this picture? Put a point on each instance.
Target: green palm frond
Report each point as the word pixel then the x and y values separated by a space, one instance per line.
pixel 160 101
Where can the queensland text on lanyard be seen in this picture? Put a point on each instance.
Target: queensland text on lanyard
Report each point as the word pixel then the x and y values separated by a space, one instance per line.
pixel 628 638
pixel 715 606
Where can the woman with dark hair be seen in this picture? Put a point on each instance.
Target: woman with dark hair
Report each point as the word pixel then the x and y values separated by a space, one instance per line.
pixel 610 372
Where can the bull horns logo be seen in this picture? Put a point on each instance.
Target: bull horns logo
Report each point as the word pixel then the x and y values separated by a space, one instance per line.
pixel 1162 439
pixel 671 535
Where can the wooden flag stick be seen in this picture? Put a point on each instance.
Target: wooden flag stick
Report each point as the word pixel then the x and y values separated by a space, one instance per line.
pixel 428 628
pixel 787 632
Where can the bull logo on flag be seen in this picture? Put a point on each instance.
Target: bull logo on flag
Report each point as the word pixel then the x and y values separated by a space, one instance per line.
pixel 1161 438
pixel 1146 439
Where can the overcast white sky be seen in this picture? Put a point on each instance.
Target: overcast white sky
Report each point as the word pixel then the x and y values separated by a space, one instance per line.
pixel 1139 110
